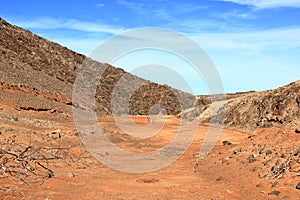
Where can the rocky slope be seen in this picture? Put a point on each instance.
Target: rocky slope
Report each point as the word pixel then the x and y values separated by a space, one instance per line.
pixel 279 108
pixel 43 73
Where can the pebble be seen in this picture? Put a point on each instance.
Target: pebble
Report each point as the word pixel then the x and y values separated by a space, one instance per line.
pixel 252 158
pixel 152 180
pixel 298 186
pixel 226 143
pixel 275 192
pixel 225 160
pixel 255 168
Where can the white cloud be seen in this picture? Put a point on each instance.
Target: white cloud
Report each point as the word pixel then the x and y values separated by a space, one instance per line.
pixel 71 24
pixel 136 7
pixel 265 4
pixel 163 10
pixel 182 8
pixel 100 5
pixel 256 41
pixel 236 15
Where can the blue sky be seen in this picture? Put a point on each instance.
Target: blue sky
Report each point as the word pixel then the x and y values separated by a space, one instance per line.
pixel 255 44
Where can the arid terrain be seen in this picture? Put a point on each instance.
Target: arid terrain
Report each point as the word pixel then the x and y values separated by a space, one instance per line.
pixel 257 155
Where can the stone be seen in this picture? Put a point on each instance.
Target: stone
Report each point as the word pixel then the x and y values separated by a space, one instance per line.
pixel 145 180
pixel 225 160
pixel 256 168
pixel 293 166
pixel 275 193
pixel 70 175
pixel 237 151
pixel 226 143
pixel 252 158
pixel 56 134
pixel 297 130
pixel 268 152
pixel 259 185
pixel 298 186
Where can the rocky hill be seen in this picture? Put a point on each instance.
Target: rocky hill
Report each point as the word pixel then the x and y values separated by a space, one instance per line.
pixel 37 74
pixel 251 110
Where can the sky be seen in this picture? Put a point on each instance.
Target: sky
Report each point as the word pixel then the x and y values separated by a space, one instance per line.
pixel 254 44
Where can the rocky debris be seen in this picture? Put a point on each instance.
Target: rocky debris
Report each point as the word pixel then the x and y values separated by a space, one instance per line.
pixel 237 151
pixel 225 160
pixel 275 193
pixel 279 107
pixel 252 158
pixel 145 180
pixel 29 108
pixel 226 143
pixel 256 168
pixel 273 156
pixel 56 134
pixel 297 130
pixel 298 186
pixel 70 175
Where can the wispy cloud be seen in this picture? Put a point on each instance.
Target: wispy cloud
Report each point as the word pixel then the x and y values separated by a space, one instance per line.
pixel 236 15
pixel 161 9
pixel 181 8
pixel 100 5
pixel 265 4
pixel 71 24
pixel 251 42
pixel 136 7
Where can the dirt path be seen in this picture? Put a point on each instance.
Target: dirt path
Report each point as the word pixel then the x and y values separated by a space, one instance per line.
pixel 221 175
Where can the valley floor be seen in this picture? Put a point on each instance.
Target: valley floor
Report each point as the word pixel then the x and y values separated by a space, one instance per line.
pixel 252 165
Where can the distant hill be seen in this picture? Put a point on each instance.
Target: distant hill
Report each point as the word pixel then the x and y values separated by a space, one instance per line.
pixel 250 110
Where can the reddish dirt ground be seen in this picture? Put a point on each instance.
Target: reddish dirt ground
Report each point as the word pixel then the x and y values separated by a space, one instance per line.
pixel 188 178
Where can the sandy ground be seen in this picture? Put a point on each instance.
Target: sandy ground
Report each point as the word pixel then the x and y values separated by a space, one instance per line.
pixel 224 174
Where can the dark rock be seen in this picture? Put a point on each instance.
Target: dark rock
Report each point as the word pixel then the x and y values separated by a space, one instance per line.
pixel 259 185
pixel 252 158
pixel 262 150
pixel 237 151
pixel 226 143
pixel 297 130
pixel 283 156
pixel 255 168
pixel 298 186
pixel 145 180
pixel 268 152
pixel 220 178
pixel 275 193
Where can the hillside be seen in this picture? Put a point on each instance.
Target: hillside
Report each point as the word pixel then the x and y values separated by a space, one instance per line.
pixel 41 73
pixel 252 110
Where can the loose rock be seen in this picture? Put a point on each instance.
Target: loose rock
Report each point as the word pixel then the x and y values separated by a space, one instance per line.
pixel 152 180
pixel 226 143
pixel 275 192
pixel 252 158
pixel 298 186
pixel 225 160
